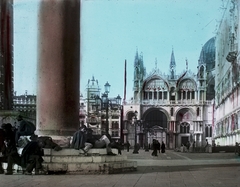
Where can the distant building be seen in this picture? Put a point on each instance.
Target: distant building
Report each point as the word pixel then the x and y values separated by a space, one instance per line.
pixel 227 81
pixel 97 113
pixel 25 105
pixel 6 55
pixel 174 108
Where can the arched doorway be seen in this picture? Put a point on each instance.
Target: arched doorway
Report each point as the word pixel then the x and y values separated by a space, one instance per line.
pixel 184 121
pixel 184 132
pixel 155 125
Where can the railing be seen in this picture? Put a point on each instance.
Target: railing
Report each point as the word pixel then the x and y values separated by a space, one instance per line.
pixel 170 102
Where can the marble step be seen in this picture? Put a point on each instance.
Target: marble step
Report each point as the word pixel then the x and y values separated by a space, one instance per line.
pixel 69 161
pixel 91 168
pixel 71 151
pixel 83 159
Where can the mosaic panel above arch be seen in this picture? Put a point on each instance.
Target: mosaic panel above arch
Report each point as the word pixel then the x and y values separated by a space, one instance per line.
pixel 156 85
pixel 187 85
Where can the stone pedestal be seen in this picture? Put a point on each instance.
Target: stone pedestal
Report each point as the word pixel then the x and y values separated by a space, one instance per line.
pixel 58 68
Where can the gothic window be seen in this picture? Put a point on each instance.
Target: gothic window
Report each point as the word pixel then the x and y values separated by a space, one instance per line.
pixel 184 128
pixel 208 131
pixel 188 95
pixel 150 95
pixel 165 95
pixel 171 111
pixel 198 111
pixel 155 95
pixel 115 133
pixel 193 95
pixel 145 95
pixel 160 95
pixel 115 125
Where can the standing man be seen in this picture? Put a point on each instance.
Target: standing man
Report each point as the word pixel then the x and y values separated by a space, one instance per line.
pixel 194 145
pixel 128 146
pixel 237 148
pixel 163 147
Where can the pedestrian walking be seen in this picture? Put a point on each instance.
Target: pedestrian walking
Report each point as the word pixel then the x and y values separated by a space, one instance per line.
pixel 237 148
pixel 188 146
pixel 163 147
pixel 158 146
pixel 155 147
pixel 193 146
pixel 128 146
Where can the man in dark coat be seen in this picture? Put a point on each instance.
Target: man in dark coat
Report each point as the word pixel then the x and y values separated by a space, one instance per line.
pixel 163 147
pixel 32 157
pixel 79 138
pixel 155 147
pixel 25 128
pixel 9 150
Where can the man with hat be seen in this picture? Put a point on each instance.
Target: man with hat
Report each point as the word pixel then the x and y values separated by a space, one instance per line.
pixel 9 150
pixel 25 128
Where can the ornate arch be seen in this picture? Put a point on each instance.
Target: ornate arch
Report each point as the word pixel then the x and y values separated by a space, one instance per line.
pixel 159 83
pixel 187 84
pixel 160 109
pixel 185 114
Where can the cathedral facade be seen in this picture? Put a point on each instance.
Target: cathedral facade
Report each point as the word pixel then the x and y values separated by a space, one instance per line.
pixel 173 108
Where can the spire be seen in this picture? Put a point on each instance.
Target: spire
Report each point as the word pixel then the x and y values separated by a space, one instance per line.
pixel 186 64
pixel 125 80
pixel 172 66
pixel 136 58
pixel 172 62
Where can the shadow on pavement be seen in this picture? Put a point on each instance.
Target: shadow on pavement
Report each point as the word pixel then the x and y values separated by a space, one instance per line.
pixel 154 169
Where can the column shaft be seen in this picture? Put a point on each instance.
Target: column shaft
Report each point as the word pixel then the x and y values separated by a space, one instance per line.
pixel 58 67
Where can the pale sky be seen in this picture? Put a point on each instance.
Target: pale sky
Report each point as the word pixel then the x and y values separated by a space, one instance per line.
pixel 112 31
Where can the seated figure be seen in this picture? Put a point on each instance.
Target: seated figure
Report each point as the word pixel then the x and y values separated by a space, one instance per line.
pixel 9 153
pixel 95 141
pixel 25 128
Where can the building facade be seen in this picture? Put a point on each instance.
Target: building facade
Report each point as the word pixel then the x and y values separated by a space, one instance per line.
pixel 99 115
pixel 173 108
pixel 227 97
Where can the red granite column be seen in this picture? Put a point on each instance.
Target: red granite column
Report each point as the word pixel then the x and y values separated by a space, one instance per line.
pixel 6 54
pixel 58 67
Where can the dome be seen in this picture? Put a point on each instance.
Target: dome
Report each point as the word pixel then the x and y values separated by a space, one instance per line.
pixel 207 55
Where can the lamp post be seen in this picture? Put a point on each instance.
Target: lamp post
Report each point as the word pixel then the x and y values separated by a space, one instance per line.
pixel 146 128
pixel 135 151
pixel 105 102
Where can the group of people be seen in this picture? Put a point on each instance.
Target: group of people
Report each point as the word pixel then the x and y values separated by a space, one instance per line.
pixel 31 156
pixel 157 147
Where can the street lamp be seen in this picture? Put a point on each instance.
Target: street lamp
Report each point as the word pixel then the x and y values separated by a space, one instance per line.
pixel 105 102
pixel 135 151
pixel 146 129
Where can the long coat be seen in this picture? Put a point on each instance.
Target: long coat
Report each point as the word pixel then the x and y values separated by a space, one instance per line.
pixel 79 139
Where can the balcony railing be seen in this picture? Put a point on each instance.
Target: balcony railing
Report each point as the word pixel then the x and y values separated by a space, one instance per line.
pixel 171 102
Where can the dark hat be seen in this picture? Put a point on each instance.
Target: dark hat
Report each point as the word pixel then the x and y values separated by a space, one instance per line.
pixel 6 126
pixel 19 117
